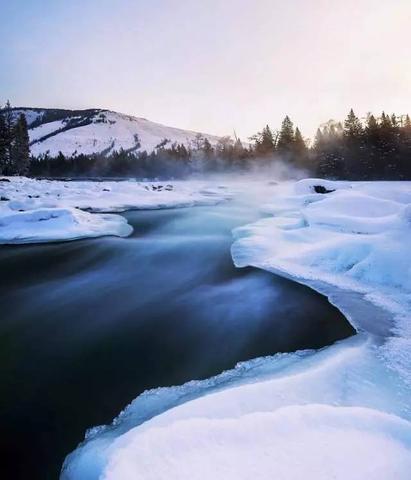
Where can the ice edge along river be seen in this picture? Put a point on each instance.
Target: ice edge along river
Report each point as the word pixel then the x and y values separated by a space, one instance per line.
pixel 332 410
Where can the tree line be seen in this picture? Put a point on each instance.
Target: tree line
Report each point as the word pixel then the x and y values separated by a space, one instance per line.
pixel 370 149
pixel 377 149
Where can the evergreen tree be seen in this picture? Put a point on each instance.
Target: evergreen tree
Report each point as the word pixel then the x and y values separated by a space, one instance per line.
pixel 264 143
pixel 370 160
pixel 286 136
pixel 388 147
pixel 385 124
pixel 300 150
pixel 372 127
pixel 198 141
pixel 240 154
pixel 8 136
pixel 300 146
pixel 267 140
pixel 405 149
pixel 329 153
pixel 353 129
pixel 3 145
pixel 394 122
pixel 207 148
pixel 353 147
pixel 20 149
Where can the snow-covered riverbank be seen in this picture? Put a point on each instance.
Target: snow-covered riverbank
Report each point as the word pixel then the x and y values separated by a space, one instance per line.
pixel 341 412
pixel 355 238
pixel 33 211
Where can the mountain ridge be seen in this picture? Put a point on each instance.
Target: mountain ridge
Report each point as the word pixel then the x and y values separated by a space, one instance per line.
pixel 98 131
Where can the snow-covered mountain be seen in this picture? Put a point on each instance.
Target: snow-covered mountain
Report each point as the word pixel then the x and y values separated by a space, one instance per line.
pixel 97 131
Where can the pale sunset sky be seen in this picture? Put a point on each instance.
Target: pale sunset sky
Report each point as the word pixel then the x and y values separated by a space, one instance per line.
pixel 210 65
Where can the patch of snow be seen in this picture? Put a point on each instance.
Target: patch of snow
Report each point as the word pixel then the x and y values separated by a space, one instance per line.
pixel 43 130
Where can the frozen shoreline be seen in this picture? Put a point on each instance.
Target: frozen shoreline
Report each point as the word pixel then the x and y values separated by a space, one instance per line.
pixel 38 211
pixel 353 238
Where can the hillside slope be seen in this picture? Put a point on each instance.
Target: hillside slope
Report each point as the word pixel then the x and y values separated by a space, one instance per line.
pixel 97 131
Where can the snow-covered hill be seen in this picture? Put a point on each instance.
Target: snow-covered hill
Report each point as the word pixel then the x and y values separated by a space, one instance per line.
pixel 97 131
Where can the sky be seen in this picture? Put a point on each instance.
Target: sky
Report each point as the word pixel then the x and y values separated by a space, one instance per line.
pixel 213 65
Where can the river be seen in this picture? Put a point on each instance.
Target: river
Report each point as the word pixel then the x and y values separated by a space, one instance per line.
pixel 86 326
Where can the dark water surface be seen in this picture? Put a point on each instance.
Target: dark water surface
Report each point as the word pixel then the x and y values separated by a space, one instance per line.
pixel 86 326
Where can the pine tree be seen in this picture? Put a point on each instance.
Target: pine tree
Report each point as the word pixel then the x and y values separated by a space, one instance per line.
pixel 406 129
pixel 300 150
pixel 240 154
pixel 300 146
pixel 372 127
pixel 207 148
pixel 8 136
pixel 264 142
pixel 385 123
pixel 370 159
pixel 394 122
pixel 20 149
pixel 353 129
pixel 286 136
pixel 3 145
pixel 198 141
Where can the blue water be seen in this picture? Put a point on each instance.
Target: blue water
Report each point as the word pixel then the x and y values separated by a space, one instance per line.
pixel 86 326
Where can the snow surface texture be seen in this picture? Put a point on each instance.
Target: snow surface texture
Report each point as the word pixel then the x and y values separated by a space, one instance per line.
pixel 33 211
pixel 356 238
pixel 105 133
pixel 342 412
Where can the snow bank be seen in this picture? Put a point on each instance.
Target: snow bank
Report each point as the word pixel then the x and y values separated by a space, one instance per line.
pixel 48 210
pixel 341 412
pixel 356 238
pixel 306 400
pixel 56 224
pixel 291 443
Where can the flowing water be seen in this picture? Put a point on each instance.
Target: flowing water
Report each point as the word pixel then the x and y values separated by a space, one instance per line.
pixel 86 326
